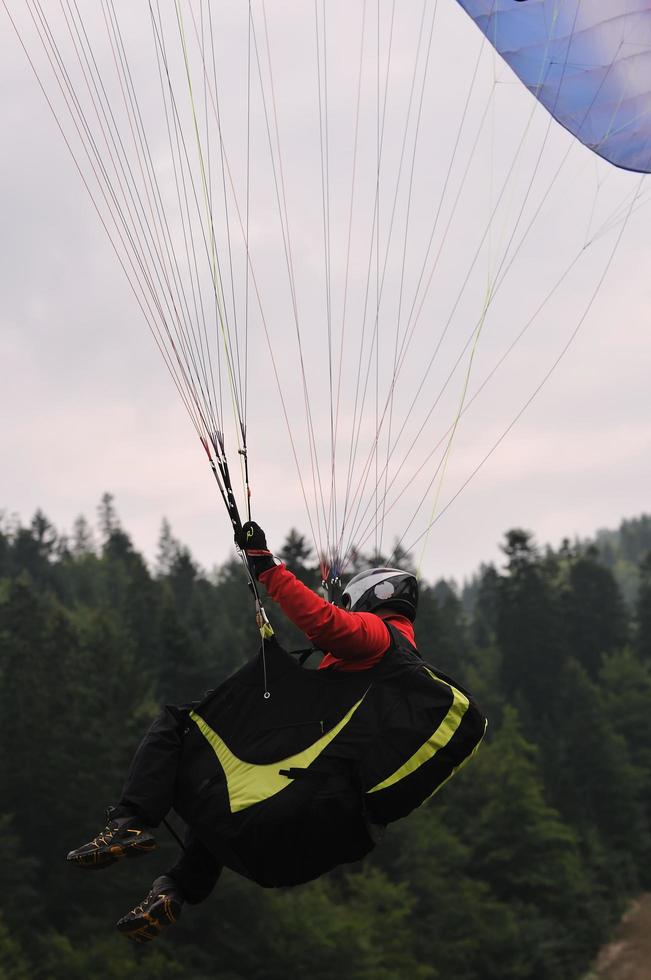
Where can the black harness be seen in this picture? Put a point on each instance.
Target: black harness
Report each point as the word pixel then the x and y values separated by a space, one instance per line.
pixel 284 789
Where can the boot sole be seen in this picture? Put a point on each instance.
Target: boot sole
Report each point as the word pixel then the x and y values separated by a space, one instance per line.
pixel 105 856
pixel 146 926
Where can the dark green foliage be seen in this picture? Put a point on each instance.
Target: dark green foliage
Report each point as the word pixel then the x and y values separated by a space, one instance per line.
pixel 585 755
pixel 635 537
pixel 442 630
pixel 297 555
pixel 529 629
pixel 14 964
pixel 623 550
pixel 18 878
pixel 643 610
pixel 485 606
pixel 596 619
pixel 626 686
pixel 516 871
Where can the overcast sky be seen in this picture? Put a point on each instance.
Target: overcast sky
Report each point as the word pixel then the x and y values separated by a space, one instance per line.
pixel 87 406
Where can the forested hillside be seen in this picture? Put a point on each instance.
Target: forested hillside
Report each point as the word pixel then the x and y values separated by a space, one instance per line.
pixel 517 870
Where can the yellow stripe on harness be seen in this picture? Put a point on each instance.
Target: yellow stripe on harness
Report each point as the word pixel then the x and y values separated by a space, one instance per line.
pixel 437 740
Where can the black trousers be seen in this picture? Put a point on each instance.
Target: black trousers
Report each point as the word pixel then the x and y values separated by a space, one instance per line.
pixel 149 794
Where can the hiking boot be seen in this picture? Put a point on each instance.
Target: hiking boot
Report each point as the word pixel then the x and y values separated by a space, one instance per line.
pixel 125 837
pixel 161 908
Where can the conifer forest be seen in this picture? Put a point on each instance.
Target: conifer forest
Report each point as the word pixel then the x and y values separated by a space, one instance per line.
pixel 518 870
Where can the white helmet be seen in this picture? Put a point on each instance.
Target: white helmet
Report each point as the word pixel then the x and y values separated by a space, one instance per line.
pixel 375 587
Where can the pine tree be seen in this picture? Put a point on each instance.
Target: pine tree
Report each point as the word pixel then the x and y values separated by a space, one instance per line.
pixel 83 541
pixel 107 516
pixel 34 548
pixel 296 552
pixel 484 625
pixel 591 775
pixel 359 927
pixel 182 578
pixel 643 611
pixel 5 551
pixel 464 931
pixel 441 630
pixel 521 845
pixel 626 688
pixel 168 548
pixel 595 616
pixel 129 588
pixel 529 628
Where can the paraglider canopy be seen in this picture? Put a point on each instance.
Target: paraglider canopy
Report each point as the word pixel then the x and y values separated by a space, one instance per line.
pixel 588 62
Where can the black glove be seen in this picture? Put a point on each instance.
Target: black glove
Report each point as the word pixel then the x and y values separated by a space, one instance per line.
pixel 252 541
pixel 251 537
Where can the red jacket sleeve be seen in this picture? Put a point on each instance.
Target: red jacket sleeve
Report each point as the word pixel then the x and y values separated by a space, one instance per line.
pixel 347 635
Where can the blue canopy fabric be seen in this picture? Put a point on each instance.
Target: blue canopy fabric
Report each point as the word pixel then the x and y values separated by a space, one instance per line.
pixel 587 61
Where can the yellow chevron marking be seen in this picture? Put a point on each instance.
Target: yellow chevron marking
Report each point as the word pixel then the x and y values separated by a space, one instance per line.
pixel 248 783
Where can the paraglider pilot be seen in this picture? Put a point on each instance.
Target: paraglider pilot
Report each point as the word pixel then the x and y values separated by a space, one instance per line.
pixel 357 637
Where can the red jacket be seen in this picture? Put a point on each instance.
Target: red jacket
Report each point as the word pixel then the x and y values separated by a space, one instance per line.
pixel 356 640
